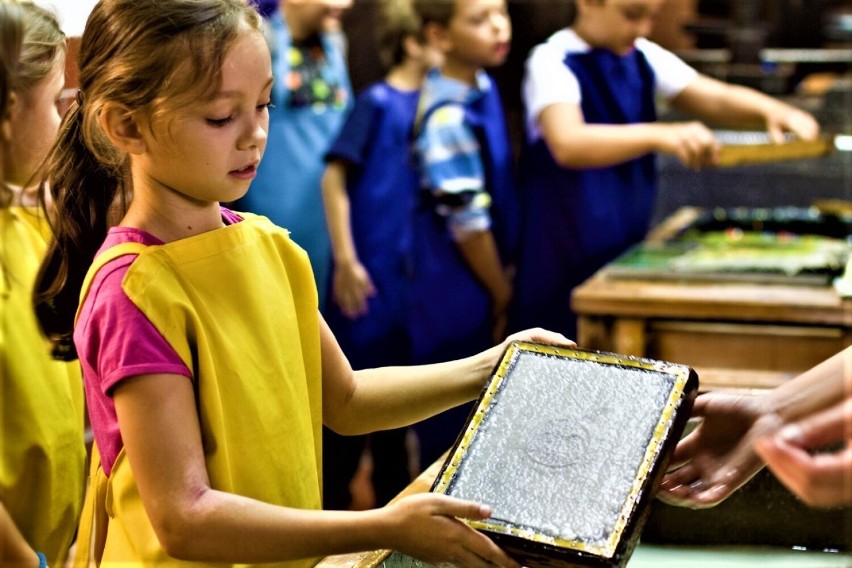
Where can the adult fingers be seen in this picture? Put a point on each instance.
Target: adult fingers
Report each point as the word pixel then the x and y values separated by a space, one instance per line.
pixel 821 480
pixel 826 427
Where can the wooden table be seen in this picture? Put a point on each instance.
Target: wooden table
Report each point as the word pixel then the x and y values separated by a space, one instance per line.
pixel 736 335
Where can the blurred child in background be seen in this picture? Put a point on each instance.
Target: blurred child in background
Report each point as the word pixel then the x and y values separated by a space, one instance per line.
pixel 466 224
pixel 41 406
pixel 311 97
pixel 589 173
pixel 370 193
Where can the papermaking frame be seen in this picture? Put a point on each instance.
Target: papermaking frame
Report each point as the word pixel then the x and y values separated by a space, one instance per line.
pixel 538 549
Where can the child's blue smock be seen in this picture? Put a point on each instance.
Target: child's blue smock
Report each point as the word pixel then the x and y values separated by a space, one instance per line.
pixel 450 308
pixel 382 187
pixel 287 187
pixel 575 221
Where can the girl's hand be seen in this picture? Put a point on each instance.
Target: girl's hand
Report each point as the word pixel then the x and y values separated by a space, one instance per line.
pixel 819 479
pixel 718 456
pixel 351 288
pixel 426 526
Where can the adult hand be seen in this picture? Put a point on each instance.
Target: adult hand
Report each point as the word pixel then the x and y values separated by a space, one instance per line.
pixel 351 288
pixel 718 456
pixel 819 479
pixel 427 527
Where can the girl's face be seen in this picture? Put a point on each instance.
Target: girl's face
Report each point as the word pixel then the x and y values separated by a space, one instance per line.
pixel 616 24
pixel 479 33
pixel 31 125
pixel 209 150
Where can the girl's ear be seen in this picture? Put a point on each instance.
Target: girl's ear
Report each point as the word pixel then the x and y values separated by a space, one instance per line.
pixel 12 106
pixel 122 128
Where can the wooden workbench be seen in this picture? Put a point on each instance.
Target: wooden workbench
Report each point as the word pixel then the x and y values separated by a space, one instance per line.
pixel 736 335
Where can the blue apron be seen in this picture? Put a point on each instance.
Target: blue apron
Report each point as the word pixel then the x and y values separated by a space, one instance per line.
pixel 575 221
pixel 450 309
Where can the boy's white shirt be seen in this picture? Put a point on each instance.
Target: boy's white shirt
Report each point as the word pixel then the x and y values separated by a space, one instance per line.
pixel 547 80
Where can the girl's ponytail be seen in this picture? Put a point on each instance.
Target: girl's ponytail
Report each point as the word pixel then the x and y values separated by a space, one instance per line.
pixel 149 58
pixel 84 194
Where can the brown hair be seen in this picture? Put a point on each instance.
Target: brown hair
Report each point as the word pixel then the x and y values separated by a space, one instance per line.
pixel 31 43
pixel 436 11
pixel 397 21
pixel 150 57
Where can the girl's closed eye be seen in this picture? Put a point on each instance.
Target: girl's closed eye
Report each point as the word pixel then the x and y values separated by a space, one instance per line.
pixel 220 122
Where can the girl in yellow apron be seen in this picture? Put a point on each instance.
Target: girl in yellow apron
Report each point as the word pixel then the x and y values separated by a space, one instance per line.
pixel 208 368
pixel 41 400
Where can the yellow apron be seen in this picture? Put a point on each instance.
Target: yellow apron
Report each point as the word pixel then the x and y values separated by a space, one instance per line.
pixel 239 306
pixel 41 402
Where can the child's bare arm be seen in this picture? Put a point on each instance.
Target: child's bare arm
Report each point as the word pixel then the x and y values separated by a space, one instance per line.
pixel 379 399
pixel 479 251
pixel 742 107
pixel 351 285
pixel 159 426
pixel 577 144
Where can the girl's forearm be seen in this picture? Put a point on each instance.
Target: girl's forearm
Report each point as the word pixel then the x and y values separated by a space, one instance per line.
pixel 224 527
pixel 391 397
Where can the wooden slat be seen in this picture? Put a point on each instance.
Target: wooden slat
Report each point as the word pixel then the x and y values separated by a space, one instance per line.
pixel 746 154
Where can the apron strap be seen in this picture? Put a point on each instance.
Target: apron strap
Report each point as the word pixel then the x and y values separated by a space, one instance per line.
pixel 102 260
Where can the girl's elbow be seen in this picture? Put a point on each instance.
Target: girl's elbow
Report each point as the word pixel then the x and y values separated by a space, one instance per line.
pixel 176 530
pixel 176 539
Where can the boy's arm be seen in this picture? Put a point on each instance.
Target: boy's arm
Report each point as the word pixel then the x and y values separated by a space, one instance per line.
pixel 742 107
pixel 576 144
pixel 351 285
pixel 450 155
pixel 479 251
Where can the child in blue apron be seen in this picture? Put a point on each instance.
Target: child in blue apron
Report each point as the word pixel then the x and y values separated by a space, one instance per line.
pixel 311 97
pixel 588 171
pixel 466 222
pixel 208 367
pixel 370 191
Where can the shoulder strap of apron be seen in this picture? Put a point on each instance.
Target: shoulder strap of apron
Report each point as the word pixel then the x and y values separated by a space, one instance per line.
pixel 102 260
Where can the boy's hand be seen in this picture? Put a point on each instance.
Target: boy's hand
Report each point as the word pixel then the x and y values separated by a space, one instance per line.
pixel 786 118
pixel 692 142
pixel 351 287
pixel 425 526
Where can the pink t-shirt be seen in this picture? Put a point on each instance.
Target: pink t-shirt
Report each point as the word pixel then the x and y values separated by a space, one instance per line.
pixel 115 341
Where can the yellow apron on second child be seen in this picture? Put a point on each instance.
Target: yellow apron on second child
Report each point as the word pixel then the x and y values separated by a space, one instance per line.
pixel 41 402
pixel 239 306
